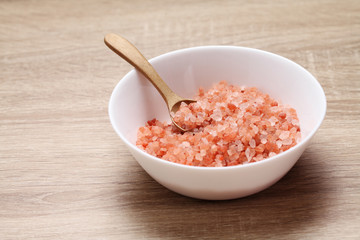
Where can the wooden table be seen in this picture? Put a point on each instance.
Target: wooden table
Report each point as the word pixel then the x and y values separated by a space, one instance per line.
pixel 64 173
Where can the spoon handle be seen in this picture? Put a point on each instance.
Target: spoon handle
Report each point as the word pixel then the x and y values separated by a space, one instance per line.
pixel 132 55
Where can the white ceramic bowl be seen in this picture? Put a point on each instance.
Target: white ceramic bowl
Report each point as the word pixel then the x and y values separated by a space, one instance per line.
pixel 134 101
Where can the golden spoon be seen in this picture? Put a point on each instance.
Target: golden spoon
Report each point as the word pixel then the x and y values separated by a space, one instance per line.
pixel 132 55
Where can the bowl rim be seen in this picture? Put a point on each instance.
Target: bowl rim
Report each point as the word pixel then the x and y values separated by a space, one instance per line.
pixel 201 168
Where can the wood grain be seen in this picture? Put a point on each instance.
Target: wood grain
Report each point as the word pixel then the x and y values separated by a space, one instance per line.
pixel 64 174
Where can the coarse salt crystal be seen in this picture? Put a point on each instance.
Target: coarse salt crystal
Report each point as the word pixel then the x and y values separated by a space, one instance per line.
pixel 187 117
pixel 255 128
pixel 240 147
pixel 298 137
pixel 295 122
pixel 244 106
pixel 272 154
pixel 185 144
pixel 284 135
pixel 176 150
pixel 247 154
pixel 287 141
pixel 217 115
pixel 198 156
pixel 203 152
pixel 214 148
pixel 213 133
pixel 252 143
pixel 273 120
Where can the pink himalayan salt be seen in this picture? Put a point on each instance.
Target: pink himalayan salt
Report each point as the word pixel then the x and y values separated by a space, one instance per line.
pixel 231 125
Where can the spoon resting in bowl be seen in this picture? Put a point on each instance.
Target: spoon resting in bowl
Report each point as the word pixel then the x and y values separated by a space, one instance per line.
pixel 132 55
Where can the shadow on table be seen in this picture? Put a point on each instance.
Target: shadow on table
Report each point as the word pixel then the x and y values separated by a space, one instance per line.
pixel 296 202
